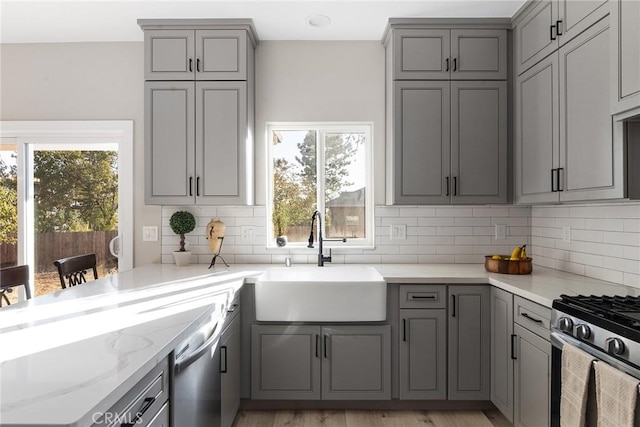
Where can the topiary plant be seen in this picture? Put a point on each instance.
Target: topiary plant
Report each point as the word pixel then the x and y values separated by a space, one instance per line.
pixel 182 222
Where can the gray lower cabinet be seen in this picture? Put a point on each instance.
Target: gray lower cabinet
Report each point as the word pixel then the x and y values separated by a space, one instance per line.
pixel 532 375
pixel 423 354
pixel 230 371
pixel 302 362
pixel 625 55
pixel 502 342
pixel 565 150
pixel 196 143
pixel 469 342
pixel 450 142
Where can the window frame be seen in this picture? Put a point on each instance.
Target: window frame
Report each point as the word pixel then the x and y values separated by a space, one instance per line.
pixel 323 128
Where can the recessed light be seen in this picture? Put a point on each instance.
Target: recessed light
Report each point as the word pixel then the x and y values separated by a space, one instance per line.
pixel 318 20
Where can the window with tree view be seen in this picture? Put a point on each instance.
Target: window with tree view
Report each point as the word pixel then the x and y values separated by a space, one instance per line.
pixel 321 167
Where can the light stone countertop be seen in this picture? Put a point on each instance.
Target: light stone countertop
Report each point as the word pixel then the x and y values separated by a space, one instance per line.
pixel 62 362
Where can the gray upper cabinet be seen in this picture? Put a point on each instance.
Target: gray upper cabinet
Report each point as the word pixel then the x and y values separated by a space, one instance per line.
pixel 502 351
pixel 196 54
pixel 356 362
pixel 469 343
pixel 450 142
pixel 442 54
pixel 423 353
pixel 565 150
pixel 625 55
pixel 548 24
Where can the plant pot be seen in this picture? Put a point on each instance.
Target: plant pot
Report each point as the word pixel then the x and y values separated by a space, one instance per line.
pixel 182 258
pixel 281 241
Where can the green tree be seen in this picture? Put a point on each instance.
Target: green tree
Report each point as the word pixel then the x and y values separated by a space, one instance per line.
pixel 8 204
pixel 291 203
pixel 76 190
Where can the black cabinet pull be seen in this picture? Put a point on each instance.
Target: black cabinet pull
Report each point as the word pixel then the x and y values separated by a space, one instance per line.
pixel 325 347
pixel 198 65
pixel 560 180
pixel 553 32
pixel 317 345
pixel 533 319
pixel 453 308
pixel 513 346
pixel 455 185
pixel 448 186
pixel 191 186
pixel 146 404
pixel 559 27
pixel 553 174
pixel 423 297
pixel 404 330
pixel 223 370
pixel 455 64
pixel 191 65
pixel 446 61
pixel 198 186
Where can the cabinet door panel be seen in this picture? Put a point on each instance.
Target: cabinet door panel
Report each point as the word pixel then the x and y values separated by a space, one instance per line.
pixel 221 117
pixel 422 142
pixel 479 142
pixel 356 362
pixel 537 131
pixel 533 35
pixel 575 16
pixel 230 389
pixel 501 361
pixel 167 55
pixel 587 151
pixel 479 55
pixel 532 379
pixel 285 362
pixel 423 354
pixel 421 54
pixel 222 54
pixel 169 143
pixel 469 343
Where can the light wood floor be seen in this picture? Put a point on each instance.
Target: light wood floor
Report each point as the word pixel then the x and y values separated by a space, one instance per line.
pixel 369 418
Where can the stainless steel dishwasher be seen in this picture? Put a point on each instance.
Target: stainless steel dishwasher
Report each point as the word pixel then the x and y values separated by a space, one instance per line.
pixel 196 377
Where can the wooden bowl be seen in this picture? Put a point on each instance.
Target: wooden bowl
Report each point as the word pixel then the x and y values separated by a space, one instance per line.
pixel 507 266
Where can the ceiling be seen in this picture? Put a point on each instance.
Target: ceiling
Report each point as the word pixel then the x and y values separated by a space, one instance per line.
pixel 27 21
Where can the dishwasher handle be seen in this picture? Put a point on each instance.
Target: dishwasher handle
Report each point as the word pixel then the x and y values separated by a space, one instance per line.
pixel 206 346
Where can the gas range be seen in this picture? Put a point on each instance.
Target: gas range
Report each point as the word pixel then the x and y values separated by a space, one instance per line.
pixel 608 324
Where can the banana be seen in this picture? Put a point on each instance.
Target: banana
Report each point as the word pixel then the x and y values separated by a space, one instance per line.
pixel 515 254
pixel 523 252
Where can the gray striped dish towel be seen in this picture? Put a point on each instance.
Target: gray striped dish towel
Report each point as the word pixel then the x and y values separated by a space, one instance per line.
pixel 616 394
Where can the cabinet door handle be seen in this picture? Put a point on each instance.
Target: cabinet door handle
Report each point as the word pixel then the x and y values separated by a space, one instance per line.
pixel 198 65
pixel 191 65
pixel 513 346
pixel 560 179
pixel 455 64
pixel 446 61
pixel 453 307
pixel 553 32
pixel 325 346
pixel 198 186
pixel 559 27
pixel 455 185
pixel 146 404
pixel 223 370
pixel 533 319
pixel 448 186
pixel 404 330
pixel 422 297
pixel 317 346
pixel 190 186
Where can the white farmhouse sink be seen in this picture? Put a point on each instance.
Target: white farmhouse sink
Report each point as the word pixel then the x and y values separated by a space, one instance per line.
pixel 321 294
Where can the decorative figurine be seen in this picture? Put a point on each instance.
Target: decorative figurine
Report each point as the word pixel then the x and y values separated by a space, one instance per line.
pixel 215 235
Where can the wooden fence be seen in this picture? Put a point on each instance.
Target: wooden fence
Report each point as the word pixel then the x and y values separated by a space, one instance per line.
pixel 53 246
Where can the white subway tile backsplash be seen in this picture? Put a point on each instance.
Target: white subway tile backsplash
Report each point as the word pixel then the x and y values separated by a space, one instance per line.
pixel 454 212
pixel 586 235
pixel 474 222
pixel 621 238
pixel 605 224
pixel 454 231
pixel 434 222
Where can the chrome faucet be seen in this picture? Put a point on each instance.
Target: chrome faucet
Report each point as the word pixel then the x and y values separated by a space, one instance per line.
pixel 321 257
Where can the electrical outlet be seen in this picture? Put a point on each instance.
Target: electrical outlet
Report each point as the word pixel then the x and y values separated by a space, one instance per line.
pixel 398 232
pixel 566 234
pixel 149 233
pixel 501 231
pixel 246 233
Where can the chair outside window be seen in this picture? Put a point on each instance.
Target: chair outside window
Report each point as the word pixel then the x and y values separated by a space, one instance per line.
pixel 73 270
pixel 12 277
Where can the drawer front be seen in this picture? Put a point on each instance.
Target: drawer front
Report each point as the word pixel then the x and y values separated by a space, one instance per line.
pixel 143 402
pixel 162 418
pixel 423 296
pixel 532 316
